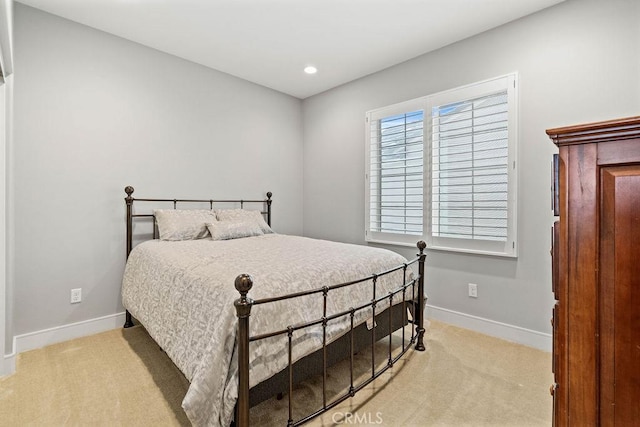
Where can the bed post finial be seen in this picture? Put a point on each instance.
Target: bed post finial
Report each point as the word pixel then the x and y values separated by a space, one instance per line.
pixel 243 283
pixel 129 190
pixel 419 312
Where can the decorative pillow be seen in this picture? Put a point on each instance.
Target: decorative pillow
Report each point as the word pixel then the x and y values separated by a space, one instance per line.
pixel 187 224
pixel 244 215
pixel 233 229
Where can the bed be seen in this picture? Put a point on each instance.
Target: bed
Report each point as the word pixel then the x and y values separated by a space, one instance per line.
pixel 246 314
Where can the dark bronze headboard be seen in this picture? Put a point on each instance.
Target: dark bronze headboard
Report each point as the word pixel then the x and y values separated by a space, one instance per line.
pixel 266 203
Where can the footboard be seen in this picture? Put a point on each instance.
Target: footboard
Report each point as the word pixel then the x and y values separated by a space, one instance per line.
pixel 412 297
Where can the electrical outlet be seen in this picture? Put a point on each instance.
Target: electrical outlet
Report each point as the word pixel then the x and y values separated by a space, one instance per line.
pixel 76 295
pixel 473 290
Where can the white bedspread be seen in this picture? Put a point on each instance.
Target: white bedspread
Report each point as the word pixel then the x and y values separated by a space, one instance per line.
pixel 183 293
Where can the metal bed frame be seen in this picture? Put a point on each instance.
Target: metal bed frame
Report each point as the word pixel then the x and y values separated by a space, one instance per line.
pixel 355 339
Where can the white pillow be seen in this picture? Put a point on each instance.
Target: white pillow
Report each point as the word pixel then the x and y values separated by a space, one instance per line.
pixel 183 224
pixel 225 230
pixel 244 215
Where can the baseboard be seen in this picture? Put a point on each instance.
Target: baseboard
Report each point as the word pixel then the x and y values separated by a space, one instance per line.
pixel 528 337
pixel 8 365
pixel 38 339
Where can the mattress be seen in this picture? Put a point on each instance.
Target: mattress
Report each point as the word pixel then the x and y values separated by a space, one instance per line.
pixel 183 294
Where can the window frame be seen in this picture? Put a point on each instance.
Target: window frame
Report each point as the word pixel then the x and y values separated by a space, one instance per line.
pixel 508 248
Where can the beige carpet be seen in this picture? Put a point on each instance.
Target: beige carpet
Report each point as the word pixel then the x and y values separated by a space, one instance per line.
pixel 121 377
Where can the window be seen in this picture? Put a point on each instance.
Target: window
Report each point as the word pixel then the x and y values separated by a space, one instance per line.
pixel 442 168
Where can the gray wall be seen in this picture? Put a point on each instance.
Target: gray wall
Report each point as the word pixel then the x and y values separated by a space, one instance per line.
pixel 6 255
pixel 6 295
pixel 577 62
pixel 94 113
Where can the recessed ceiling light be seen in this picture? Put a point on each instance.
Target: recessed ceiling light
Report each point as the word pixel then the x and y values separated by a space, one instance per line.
pixel 310 69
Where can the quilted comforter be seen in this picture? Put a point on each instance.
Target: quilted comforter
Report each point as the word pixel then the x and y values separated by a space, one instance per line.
pixel 183 293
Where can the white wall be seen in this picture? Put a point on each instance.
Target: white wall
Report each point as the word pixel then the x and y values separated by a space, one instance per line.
pixel 94 113
pixel 578 62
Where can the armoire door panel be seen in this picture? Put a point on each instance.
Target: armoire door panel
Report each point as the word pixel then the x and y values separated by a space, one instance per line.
pixel 619 304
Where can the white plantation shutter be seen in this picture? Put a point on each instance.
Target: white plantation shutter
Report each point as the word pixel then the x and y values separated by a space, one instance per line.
pixel 395 189
pixel 442 168
pixel 472 176
pixel 470 169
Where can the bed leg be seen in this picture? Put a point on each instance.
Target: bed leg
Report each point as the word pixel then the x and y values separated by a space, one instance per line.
pixel 419 311
pixel 243 305
pixel 128 322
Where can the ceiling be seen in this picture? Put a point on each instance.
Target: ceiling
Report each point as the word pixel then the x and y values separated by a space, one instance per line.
pixel 269 42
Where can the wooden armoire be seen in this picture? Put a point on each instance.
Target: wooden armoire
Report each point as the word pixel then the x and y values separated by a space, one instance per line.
pixel 596 268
